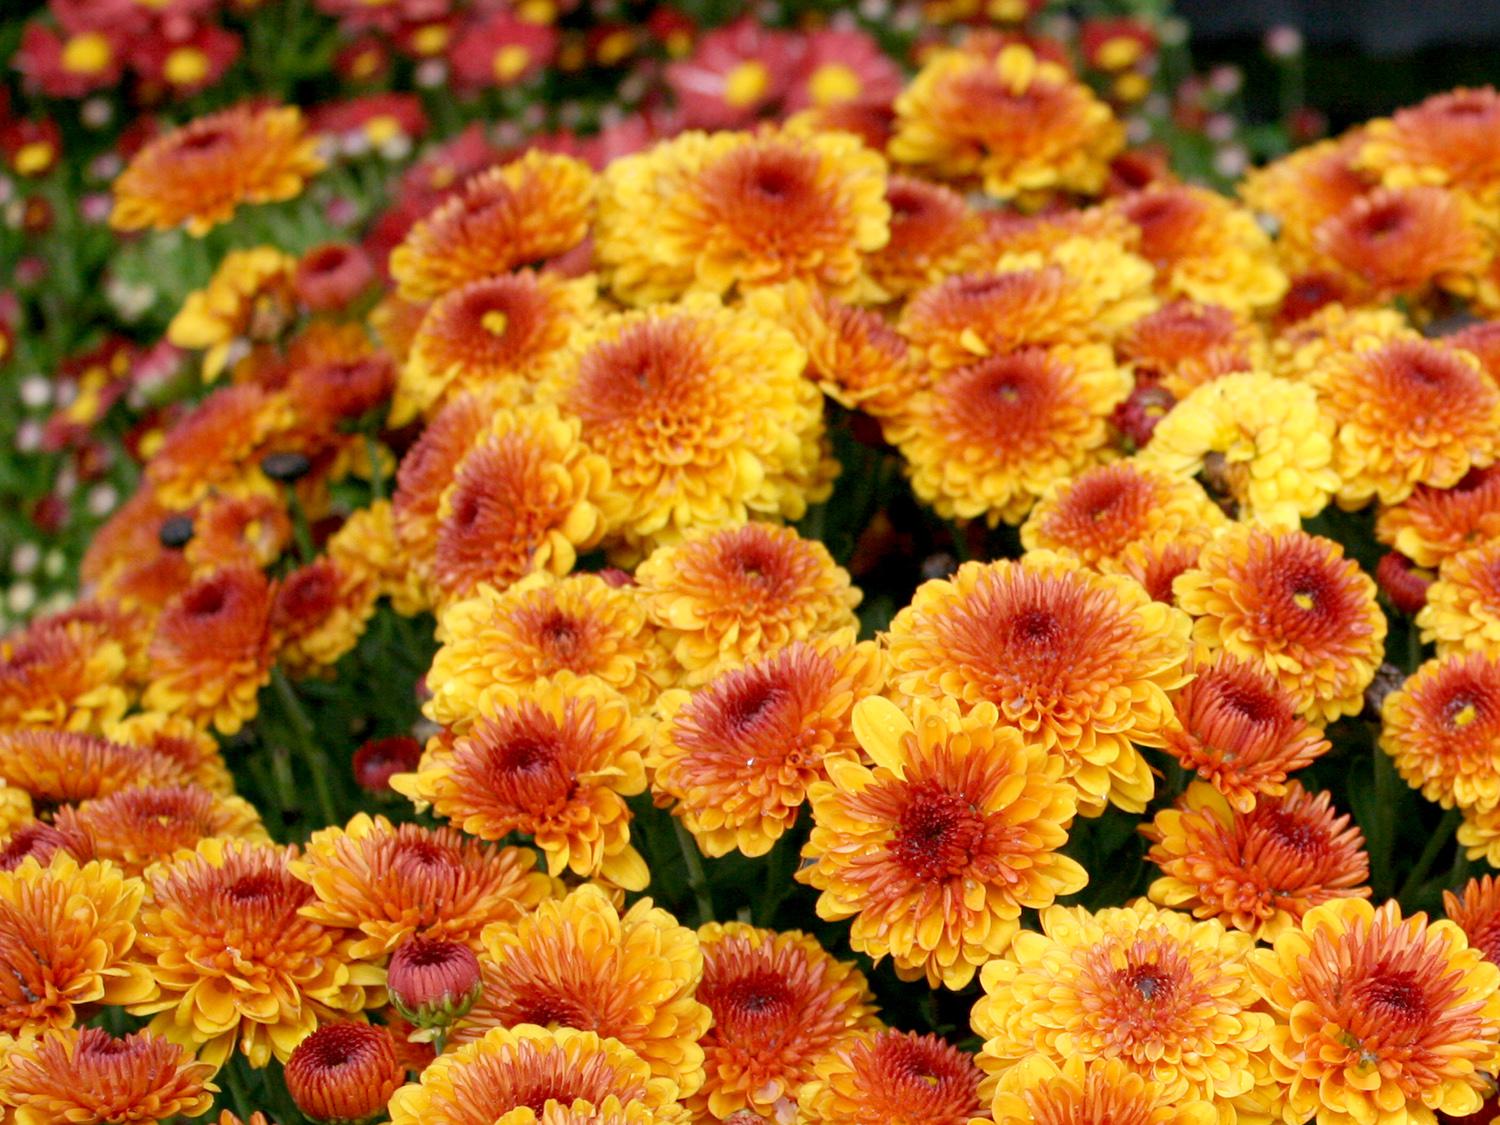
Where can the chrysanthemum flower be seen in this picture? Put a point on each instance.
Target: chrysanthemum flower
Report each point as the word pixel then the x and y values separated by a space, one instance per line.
pixel 1169 997
pixel 197 175
pixel 1292 604
pixel 1401 241
pixel 126 564
pixel 136 827
pixel 1185 344
pixel 934 233
pixel 703 415
pixel 56 768
pixel 1080 662
pixel 15 808
pixel 214 445
pixel 368 543
pixel 212 654
pixel 1075 1092
pixel 235 961
pixel 480 1083
pixel 515 214
pixel 540 627
pixel 1477 913
pixel 1156 562
pixel 318 614
pixel 1443 730
pixel 249 297
pixel 723 598
pixel 936 850
pixel 555 760
pixel 1298 351
pixel 1462 611
pixel 576 962
pixel 1302 190
pixel 433 983
pixel 253 529
pixel 1379 1017
pixel 344 1071
pixel 62 674
pixel 496 330
pixel 1101 511
pixel 528 496
pixel 88 1077
pixel 189 754
pixel 896 1077
pixel 735 759
pixel 1447 140
pixel 1433 523
pixel 1274 443
pixel 389 882
pixel 1259 870
pixel 1022 124
pixel 780 1004
pixel 1237 726
pixel 67 939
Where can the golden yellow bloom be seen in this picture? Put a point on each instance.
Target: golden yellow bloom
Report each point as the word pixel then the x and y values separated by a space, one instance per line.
pixel 511 215
pixel 64 674
pixel 1022 124
pixel 555 760
pixel 936 850
pixel 781 1003
pixel 56 768
pixel 724 598
pixel 1333 331
pixel 1447 140
pixel 1169 997
pixel 319 614
pixel 136 827
pixel 481 1083
pixel 1156 562
pixel 15 808
pixel 190 753
pixel 197 175
pixel 703 415
pixel 234 960
pixel 1442 729
pixel 893 1077
pixel 390 882
pixel 1463 605
pixel 1379 1017
pixel 367 544
pixel 1260 870
pixel 1080 662
pixel 577 962
pixel 1292 603
pixel 1075 1092
pixel 1434 523
pixel 248 297
pixel 1185 344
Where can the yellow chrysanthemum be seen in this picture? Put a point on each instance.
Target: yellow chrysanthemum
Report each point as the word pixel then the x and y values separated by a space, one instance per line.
pixel 64 674
pixel 367 543
pixel 15 807
pixel 319 614
pixel 1332 332
pixel 1433 523
pixel 1265 438
pixel 1442 730
pixel 1463 605
pixel 1169 997
pixel 248 297
pixel 1074 1092
pixel 1080 662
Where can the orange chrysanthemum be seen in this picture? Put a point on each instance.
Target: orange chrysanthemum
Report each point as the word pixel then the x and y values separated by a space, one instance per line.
pixel 1038 1091
pixel 735 759
pixel 136 827
pixel 1433 523
pixel 88 1077
pixel 1448 140
pixel 212 653
pixel 515 214
pixel 1020 123
pixel 1462 611
pixel 197 175
pixel 1442 729
pixel 1292 604
pixel 541 627
pixel 235 961
pixel 344 1071
pixel 501 331
pixel 577 962
pixel 1302 348
pixel 780 1004
pixel 227 530
pixel 1379 1017
pixel 529 496
pixel 191 755
pixel 62 674
pixel 390 882
pixel 1477 913
pixel 724 598
pixel 1185 344
pixel 936 850
pixel 1259 871
pixel 555 760
pixel 1103 510
pixel 934 233
pixel 56 768
pixel 898 1078
pixel 1080 662
pixel 1302 190
pixel 1401 241
pixel 1170 997
pixel 319 613
pixel 520 1076
pixel 1156 562
pixel 1238 728
pixel 67 940
pixel 214 446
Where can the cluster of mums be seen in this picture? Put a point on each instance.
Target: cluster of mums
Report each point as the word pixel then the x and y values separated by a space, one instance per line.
pixel 572 427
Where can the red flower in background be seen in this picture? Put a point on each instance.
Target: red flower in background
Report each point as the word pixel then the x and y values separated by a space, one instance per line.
pixel 737 73
pixel 372 120
pixel 188 65
pixel 1116 44
pixel 501 50
pixel 69 66
pixel 384 15
pixel 31 147
pixel 840 68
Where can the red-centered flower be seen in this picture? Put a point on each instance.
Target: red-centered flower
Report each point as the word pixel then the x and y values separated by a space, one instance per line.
pixel 344 1072
pixel 433 983
pixel 897 1078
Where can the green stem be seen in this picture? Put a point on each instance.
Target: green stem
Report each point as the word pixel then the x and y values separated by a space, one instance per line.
pixel 1413 647
pixel 377 478
pixel 1387 787
pixel 301 530
pixel 234 1085
pixel 783 862
pixel 1435 844
pixel 697 880
pixel 302 731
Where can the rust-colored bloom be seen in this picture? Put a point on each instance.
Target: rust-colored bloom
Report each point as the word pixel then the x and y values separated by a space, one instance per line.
pixel 1156 562
pixel 1294 605
pixel 36 839
pixel 1433 523
pixel 389 882
pixel 62 674
pixel 1302 190
pixel 1081 663
pixel 1442 728
pixel 214 445
pixel 780 1004
pixel 228 530
pixel 56 768
pixel 236 963
pixel 934 233
pixel 723 598
pixel 1462 610
pixel 900 1078
pixel 190 754
pixel 344 1072
pixel 1403 583
pixel 735 759
pixel 1477 913
pixel 136 827
pixel 331 275
pixel 1259 871
pixel 556 761
pixel 1239 729
pixel 212 654
pixel 515 214
pixel 1401 241
pixel 88 1077
pixel 1075 1092
pixel 197 175
pixel 1379 1016
pixel 1448 140
pixel 318 614
pixel 1184 344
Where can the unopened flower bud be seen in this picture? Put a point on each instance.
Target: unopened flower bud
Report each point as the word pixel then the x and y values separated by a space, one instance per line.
pixel 344 1073
pixel 433 983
